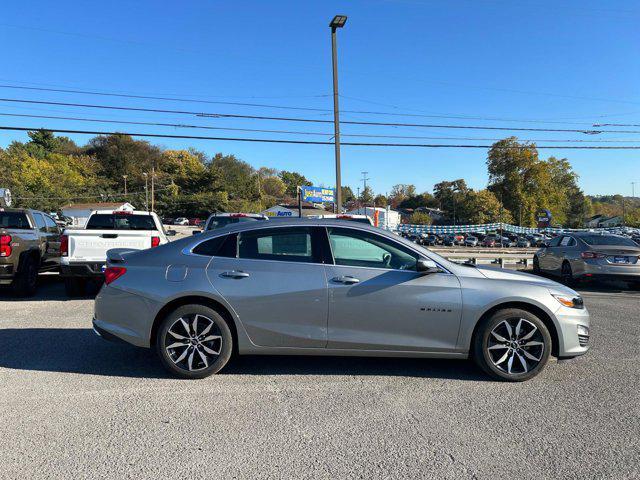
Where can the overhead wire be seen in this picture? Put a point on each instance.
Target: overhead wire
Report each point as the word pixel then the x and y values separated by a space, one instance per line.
pixel 311 120
pixel 313 142
pixel 294 132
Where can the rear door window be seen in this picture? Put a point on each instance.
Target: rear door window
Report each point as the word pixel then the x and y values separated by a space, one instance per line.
pixel 224 246
pixel 16 220
pixel 111 221
pixel 284 244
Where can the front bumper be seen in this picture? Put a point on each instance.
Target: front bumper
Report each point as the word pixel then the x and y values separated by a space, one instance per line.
pixel 572 339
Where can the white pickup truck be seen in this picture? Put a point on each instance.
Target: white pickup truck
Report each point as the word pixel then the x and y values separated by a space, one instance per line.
pixel 83 252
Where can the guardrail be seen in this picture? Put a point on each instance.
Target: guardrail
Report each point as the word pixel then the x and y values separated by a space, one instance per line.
pixel 523 259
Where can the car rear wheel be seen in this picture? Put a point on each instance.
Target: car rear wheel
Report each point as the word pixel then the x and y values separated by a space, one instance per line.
pixel 25 283
pixel 194 341
pixel 536 265
pixel 566 274
pixel 512 345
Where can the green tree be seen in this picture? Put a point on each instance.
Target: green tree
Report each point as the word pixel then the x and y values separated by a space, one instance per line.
pixel 238 177
pixel 380 200
pixel 347 194
pixel 366 196
pixel 293 180
pixel 420 218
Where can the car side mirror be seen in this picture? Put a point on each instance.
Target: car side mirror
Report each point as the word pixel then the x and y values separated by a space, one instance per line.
pixel 196 232
pixel 427 266
pixel 171 233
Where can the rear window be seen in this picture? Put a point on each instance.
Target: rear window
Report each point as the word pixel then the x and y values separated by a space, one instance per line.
pixel 110 221
pixel 609 240
pixel 15 220
pixel 219 222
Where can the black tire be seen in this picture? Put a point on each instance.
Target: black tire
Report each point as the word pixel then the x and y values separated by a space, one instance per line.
pixel 25 284
pixel 175 361
pixel 492 362
pixel 566 274
pixel 75 287
pixel 536 265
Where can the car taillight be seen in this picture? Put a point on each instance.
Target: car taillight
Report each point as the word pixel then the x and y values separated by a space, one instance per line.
pixel 5 245
pixel 155 241
pixel 592 255
pixel 113 273
pixel 64 245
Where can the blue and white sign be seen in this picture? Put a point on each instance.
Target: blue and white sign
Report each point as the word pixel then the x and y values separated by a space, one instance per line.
pixel 318 194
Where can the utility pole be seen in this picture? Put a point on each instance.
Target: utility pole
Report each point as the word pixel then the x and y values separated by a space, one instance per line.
pixel 146 191
pixel 337 22
pixel 125 184
pixel 358 197
pixel 153 191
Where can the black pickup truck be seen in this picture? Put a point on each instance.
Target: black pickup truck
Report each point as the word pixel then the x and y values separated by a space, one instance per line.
pixel 29 244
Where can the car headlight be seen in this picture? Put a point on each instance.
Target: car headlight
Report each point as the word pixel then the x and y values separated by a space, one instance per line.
pixel 570 302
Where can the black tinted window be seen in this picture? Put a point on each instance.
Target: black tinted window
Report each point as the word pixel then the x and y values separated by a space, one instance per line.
pixel 15 220
pixel 608 240
pixel 110 221
pixel 219 222
pixel 224 246
pixel 288 244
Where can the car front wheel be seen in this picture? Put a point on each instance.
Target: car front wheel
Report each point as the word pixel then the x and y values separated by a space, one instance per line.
pixel 512 345
pixel 193 342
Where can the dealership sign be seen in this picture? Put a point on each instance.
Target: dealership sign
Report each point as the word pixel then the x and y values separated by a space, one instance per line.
pixel 317 194
pixel 544 218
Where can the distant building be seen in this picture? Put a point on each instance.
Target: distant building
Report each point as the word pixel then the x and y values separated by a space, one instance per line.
pixel 602 221
pixel 79 212
pixel 616 221
pixel 435 213
pixel 387 218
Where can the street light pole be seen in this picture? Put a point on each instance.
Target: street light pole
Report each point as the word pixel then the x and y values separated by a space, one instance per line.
pixel 337 22
pixel 125 184
pixel 146 191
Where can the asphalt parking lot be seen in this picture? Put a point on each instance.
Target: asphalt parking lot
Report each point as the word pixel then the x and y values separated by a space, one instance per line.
pixel 74 405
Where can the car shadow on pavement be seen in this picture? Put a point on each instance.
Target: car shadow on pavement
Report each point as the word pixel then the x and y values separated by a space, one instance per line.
pixel 74 350
pixel 50 287
pixel 355 366
pixel 80 350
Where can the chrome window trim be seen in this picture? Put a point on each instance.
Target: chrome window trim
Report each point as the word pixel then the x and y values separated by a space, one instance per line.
pixel 189 249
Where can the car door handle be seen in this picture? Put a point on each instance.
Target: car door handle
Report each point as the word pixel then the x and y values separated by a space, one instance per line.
pixel 234 274
pixel 346 279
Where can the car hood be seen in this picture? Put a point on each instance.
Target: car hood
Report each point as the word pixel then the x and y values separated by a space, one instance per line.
pixel 496 273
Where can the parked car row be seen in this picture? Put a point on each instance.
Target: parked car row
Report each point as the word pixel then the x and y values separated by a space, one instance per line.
pixel 478 239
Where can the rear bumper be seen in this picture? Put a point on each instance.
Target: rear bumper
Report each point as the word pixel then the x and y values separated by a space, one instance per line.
pixel 124 315
pixel 88 269
pixel 627 273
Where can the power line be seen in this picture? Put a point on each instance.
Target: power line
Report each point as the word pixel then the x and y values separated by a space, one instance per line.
pixel 283 107
pixel 311 142
pixel 312 120
pixel 295 132
pixel 170 99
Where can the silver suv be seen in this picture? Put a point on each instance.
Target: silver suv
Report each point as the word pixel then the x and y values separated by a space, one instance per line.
pixel 330 287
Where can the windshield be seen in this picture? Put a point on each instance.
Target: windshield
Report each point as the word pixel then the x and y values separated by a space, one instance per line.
pixel 110 221
pixel 219 222
pixel 608 240
pixel 17 220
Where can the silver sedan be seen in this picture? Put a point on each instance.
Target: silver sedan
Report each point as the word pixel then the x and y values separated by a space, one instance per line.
pixel 586 255
pixel 328 287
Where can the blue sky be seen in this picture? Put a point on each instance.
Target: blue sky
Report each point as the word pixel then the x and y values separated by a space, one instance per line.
pixel 573 62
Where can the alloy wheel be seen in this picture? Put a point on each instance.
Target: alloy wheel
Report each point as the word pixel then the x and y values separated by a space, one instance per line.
pixel 515 346
pixel 193 342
